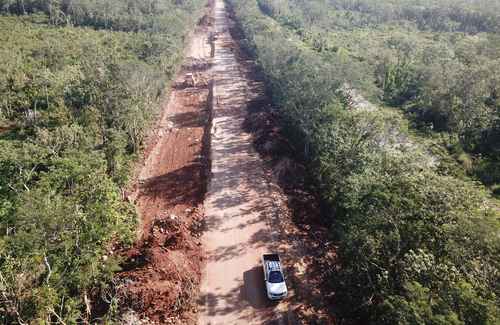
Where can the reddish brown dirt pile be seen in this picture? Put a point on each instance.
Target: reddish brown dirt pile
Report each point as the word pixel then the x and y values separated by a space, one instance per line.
pixel 161 273
pixel 164 271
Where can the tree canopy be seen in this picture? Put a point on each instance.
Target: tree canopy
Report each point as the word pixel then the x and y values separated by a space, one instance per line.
pixel 80 83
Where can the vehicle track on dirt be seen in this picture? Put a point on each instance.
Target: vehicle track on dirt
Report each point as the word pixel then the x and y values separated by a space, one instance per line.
pixel 241 200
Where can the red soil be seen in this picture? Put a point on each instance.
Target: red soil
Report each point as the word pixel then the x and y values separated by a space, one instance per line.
pixel 161 275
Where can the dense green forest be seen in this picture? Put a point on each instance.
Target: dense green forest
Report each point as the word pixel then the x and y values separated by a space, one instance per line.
pixel 80 83
pixel 417 243
pixel 437 60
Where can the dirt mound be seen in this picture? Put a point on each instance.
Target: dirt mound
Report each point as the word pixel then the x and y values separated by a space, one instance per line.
pixel 161 276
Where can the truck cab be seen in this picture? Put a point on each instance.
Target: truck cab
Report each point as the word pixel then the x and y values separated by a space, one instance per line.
pixel 274 277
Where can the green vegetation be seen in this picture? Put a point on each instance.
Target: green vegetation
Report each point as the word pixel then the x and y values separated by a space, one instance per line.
pixel 75 106
pixel 415 243
pixel 436 60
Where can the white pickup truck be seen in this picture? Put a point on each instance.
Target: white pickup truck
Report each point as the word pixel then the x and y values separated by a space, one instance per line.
pixel 274 277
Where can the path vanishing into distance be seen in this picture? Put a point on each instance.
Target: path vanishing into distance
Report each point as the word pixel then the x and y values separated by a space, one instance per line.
pixel 210 206
pixel 241 200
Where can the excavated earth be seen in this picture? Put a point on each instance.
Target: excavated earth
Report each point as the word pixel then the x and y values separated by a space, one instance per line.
pixel 161 275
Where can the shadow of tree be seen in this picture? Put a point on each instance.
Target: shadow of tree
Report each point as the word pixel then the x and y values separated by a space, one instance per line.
pixel 249 296
pixel 175 187
pixel 190 119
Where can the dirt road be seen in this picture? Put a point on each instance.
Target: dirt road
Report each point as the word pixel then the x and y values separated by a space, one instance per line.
pixel 244 212
pixel 240 204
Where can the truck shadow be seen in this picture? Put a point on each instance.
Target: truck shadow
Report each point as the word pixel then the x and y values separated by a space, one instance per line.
pixel 249 296
pixel 253 290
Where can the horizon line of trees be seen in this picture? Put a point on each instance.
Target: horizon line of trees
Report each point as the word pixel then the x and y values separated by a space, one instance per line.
pixel 152 16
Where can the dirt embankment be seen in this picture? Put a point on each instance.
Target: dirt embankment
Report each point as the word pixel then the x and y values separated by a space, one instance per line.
pixel 161 274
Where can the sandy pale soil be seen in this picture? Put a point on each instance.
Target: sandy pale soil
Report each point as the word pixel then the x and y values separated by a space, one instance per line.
pixel 240 203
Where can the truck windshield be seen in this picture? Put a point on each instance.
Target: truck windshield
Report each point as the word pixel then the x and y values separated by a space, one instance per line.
pixel 275 277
